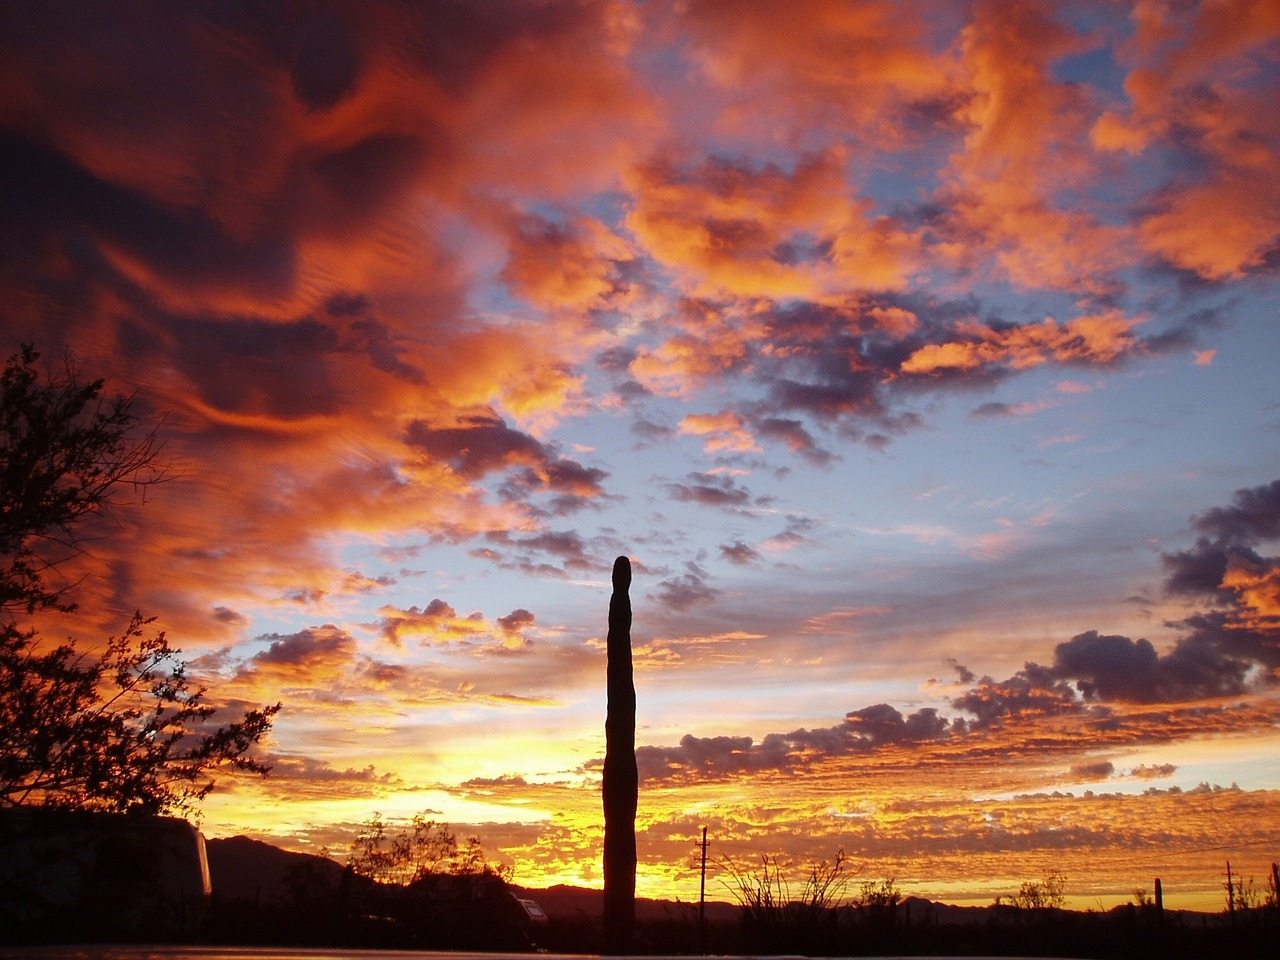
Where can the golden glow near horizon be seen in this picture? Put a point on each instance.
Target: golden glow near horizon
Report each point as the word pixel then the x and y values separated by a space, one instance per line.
pixel 920 355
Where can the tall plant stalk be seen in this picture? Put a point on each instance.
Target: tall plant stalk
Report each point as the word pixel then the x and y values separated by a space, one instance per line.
pixel 621 780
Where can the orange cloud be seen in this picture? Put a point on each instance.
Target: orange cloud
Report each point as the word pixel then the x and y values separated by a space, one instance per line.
pixel 437 621
pixel 1074 387
pixel 746 231
pixel 1220 229
pixel 1257 587
pixel 724 431
pixel 1101 338
pixel 573 266
pixel 827 63
pixel 516 367
pixel 1003 189
pixel 314 657
pixel 709 343
pixel 894 321
pixel 553 106
pixel 1199 83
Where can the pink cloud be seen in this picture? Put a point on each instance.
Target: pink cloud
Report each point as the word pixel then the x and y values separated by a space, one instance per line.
pixel 724 431
pixel 1100 338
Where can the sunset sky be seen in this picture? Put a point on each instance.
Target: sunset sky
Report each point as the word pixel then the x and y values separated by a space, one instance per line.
pixel 920 355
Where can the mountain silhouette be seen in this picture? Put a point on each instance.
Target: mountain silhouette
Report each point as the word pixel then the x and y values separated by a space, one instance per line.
pixel 241 868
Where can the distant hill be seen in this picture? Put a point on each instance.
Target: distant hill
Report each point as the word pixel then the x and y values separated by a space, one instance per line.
pixel 241 868
pixel 253 881
pixel 244 869
pixel 568 902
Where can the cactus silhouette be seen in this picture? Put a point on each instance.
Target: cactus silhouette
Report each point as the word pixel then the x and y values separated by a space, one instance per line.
pixel 621 780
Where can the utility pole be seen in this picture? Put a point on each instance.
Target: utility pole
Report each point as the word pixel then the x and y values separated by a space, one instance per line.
pixel 1231 895
pixel 702 898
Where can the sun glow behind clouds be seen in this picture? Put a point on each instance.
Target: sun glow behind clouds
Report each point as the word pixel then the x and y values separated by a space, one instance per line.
pixel 920 356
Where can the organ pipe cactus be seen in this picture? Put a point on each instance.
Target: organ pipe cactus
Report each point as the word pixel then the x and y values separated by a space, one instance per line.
pixel 621 780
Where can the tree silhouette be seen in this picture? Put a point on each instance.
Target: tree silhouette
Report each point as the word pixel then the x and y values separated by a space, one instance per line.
pixel 434 890
pixel 65 452
pixel 1049 892
pixel 421 849
pixel 122 731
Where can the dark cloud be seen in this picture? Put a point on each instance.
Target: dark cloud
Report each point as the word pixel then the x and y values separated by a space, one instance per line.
pixel 232 618
pixel 987 411
pixel 1224 565
pixel 438 609
pixel 1093 668
pixel 1253 516
pixel 795 436
pixel 385 350
pixel 484 444
pixel 683 591
pixel 284 369
pixel 854 395
pixel 458 40
pixel 312 769
pixel 1100 770
pixel 1031 691
pixel 710 490
pixel 1198 667
pixel 1088 672
pixel 367 175
pixel 650 432
pixel 1216 658
pixel 704 758
pixel 521 553
pixel 966 675
pixel 1221 631
pixel 880 724
pixel 324 60
pixel 517 620
pixel 739 553
pixel 307 650
pixel 618 360
pixel 1227 534
pixel 841 367
pixel 45 191
pixel 1109 667
pixel 478 445
pixel 566 544
pixel 572 478
pixel 573 485
pixel 1199 570
pixel 387 675
pixel 862 731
